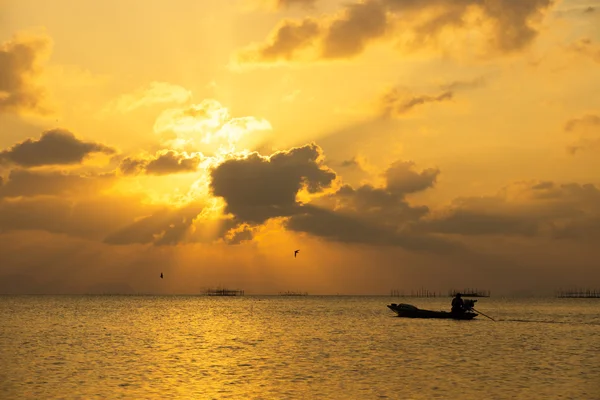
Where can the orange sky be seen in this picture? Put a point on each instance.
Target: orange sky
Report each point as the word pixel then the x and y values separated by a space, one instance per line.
pixel 398 143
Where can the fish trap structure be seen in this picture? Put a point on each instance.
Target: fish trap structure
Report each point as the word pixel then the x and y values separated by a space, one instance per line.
pixel 470 293
pixel 578 294
pixel 415 293
pixel 292 293
pixel 223 292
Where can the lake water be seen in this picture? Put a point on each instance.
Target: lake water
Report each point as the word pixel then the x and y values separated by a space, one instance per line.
pixel 187 347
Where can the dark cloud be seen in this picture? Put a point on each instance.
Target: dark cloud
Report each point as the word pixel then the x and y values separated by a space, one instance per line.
pixel 257 188
pixel 380 205
pixel 55 147
pixel 464 85
pixel 394 103
pixel 589 9
pixel 163 163
pixel 372 215
pixel 401 178
pixel 91 218
pixel 360 23
pixel 589 120
pixel 292 3
pixel 19 66
pixel 470 222
pixel 385 206
pixel 289 37
pixel 24 183
pixel 512 20
pixel 353 162
pixel 540 209
pixel 348 35
pixel 351 229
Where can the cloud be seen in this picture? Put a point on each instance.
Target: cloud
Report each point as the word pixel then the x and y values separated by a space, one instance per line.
pixel 464 84
pixel 507 26
pixel 83 206
pixel 589 120
pixel 349 34
pixel 256 188
pixel 584 145
pixel 210 127
pixel 93 217
pixel 588 129
pixel 354 162
pixel 24 183
pixel 163 163
pixel 288 38
pixel 55 147
pixel 292 3
pixel 152 94
pixel 372 215
pixel 20 66
pixel 544 209
pixel 396 103
pixel 587 48
pixel 345 228
pixel 164 227
pixel 80 208
pixel 241 233
pixel 402 179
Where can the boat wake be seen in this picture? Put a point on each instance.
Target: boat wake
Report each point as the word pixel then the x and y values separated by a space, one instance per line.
pixel 548 322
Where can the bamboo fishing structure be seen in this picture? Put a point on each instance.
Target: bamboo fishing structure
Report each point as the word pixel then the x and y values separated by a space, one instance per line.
pixel 422 292
pixel 470 293
pixel 579 294
pixel 223 292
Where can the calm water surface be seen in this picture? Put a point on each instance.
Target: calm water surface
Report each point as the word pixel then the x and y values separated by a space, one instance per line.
pixel 177 347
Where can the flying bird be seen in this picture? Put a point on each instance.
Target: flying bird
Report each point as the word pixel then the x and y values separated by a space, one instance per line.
pixel 161 275
pixel 295 253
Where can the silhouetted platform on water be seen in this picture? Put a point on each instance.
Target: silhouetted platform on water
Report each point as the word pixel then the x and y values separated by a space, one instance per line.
pixel 578 294
pixel 470 293
pixel 223 292
pixel 415 293
pixel 291 293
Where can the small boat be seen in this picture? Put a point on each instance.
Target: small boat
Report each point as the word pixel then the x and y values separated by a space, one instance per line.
pixel 410 311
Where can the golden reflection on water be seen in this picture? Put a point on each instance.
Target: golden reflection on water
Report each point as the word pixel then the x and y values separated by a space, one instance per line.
pixel 293 348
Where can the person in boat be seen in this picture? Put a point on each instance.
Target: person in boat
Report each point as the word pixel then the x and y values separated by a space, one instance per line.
pixel 458 305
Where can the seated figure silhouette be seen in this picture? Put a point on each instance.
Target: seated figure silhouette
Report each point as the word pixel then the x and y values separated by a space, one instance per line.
pixel 458 305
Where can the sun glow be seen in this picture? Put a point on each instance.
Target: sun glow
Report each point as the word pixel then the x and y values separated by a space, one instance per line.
pixel 206 131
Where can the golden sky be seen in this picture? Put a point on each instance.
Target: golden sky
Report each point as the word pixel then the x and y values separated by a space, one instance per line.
pixel 398 144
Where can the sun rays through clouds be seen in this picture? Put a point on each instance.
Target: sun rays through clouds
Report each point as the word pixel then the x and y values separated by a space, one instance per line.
pixel 417 140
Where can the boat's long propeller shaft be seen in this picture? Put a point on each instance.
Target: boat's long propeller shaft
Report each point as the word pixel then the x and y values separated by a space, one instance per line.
pixel 477 311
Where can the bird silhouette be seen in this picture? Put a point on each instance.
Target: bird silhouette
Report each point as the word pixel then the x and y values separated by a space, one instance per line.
pixel 295 253
pixel 161 275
